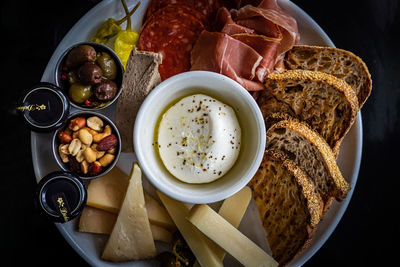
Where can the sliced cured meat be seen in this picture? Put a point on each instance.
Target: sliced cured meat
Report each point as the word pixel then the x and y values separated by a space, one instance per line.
pixel 267 12
pixel 180 9
pixel 206 7
pixel 179 13
pixel 157 4
pixel 225 24
pixel 218 52
pixel 170 36
pixel 266 47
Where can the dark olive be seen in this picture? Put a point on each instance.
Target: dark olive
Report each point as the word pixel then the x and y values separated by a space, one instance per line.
pixel 72 77
pixel 80 54
pixel 107 64
pixel 90 73
pixel 79 92
pixel 105 90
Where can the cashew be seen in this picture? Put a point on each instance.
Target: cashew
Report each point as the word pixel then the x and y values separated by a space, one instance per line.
pixel 106 159
pixel 95 123
pixel 90 155
pixel 98 137
pixel 91 131
pixel 112 150
pixel 74 146
pixel 85 136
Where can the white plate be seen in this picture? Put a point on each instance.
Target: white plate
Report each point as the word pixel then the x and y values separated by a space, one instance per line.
pixel 89 246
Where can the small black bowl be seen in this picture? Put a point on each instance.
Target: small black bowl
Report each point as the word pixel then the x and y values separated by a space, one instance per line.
pixel 64 85
pixel 86 114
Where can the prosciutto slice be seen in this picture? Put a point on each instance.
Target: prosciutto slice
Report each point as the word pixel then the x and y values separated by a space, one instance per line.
pixel 266 47
pixel 218 52
pixel 225 24
pixel 269 13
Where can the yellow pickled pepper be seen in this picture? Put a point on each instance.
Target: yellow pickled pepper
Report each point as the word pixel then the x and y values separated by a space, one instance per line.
pixel 126 40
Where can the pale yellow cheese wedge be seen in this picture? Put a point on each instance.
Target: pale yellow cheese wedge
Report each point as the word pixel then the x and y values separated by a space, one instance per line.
pixel 200 245
pixel 228 237
pixel 108 191
pixel 96 221
pixel 131 237
pixel 99 221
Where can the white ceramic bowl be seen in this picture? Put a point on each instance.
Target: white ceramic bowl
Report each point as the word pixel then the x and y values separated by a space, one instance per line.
pixel 225 90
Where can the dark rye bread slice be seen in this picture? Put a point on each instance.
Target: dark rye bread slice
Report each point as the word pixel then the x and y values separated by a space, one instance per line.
pixel 140 77
pixel 287 203
pixel 312 154
pixel 337 62
pixel 324 102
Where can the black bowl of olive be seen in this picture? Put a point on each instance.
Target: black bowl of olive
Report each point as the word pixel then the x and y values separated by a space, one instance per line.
pixel 90 74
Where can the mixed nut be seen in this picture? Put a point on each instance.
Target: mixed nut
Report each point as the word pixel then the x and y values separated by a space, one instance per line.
pixel 87 145
pixel 90 76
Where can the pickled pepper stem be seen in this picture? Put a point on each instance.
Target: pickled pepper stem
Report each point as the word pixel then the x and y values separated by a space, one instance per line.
pixel 119 22
pixel 129 13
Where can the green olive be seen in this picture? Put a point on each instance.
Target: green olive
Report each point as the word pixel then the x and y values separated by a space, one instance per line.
pixel 79 92
pixel 107 64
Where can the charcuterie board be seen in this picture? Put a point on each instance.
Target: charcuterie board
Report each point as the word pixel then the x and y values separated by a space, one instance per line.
pixel 89 246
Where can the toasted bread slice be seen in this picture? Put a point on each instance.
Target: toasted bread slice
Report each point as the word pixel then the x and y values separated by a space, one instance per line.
pixel 324 102
pixel 312 154
pixel 288 205
pixel 337 62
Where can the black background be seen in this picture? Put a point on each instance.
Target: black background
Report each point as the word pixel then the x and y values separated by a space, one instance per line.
pixel 369 230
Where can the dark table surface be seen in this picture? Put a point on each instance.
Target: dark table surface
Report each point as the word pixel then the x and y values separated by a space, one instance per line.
pixel 368 232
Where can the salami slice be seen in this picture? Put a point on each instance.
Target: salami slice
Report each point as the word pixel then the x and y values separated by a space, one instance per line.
pixel 187 15
pixel 173 38
pixel 206 7
pixel 158 4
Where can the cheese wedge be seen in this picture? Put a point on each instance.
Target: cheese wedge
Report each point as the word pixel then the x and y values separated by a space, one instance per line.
pixel 99 221
pixel 228 237
pixel 131 237
pixel 200 245
pixel 108 191
pixel 96 221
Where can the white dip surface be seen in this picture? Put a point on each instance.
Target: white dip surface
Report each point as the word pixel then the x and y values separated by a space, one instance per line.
pixel 199 139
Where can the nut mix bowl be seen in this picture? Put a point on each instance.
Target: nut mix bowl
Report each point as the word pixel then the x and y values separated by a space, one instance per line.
pixel 87 144
pixel 90 75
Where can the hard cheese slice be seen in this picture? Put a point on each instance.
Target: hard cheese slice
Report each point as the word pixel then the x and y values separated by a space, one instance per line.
pixel 99 221
pixel 108 191
pixel 228 237
pixel 96 221
pixel 131 237
pixel 200 245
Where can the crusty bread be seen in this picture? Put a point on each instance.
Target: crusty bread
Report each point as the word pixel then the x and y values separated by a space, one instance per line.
pixel 140 77
pixel 324 102
pixel 338 62
pixel 288 205
pixel 312 154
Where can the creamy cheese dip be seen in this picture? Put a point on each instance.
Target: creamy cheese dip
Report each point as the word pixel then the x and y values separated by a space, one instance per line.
pixel 199 139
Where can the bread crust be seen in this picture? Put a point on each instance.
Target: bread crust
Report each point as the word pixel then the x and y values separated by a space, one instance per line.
pixel 312 204
pixel 341 63
pixel 342 187
pixel 299 104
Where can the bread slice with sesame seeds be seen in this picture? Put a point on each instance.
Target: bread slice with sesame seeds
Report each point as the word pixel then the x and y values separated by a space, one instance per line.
pixel 287 203
pixel 326 103
pixel 337 62
pixel 312 154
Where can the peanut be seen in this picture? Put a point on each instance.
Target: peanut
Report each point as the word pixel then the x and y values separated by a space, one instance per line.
pixel 99 154
pixel 63 152
pixel 84 167
pixel 80 157
pixel 74 147
pixel 95 123
pixel 95 168
pixel 90 155
pixel 106 159
pixel 64 137
pixel 98 137
pixel 85 136
pixel 77 123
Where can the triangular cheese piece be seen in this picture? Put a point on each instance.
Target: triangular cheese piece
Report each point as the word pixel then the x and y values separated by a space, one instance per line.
pixel 131 237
